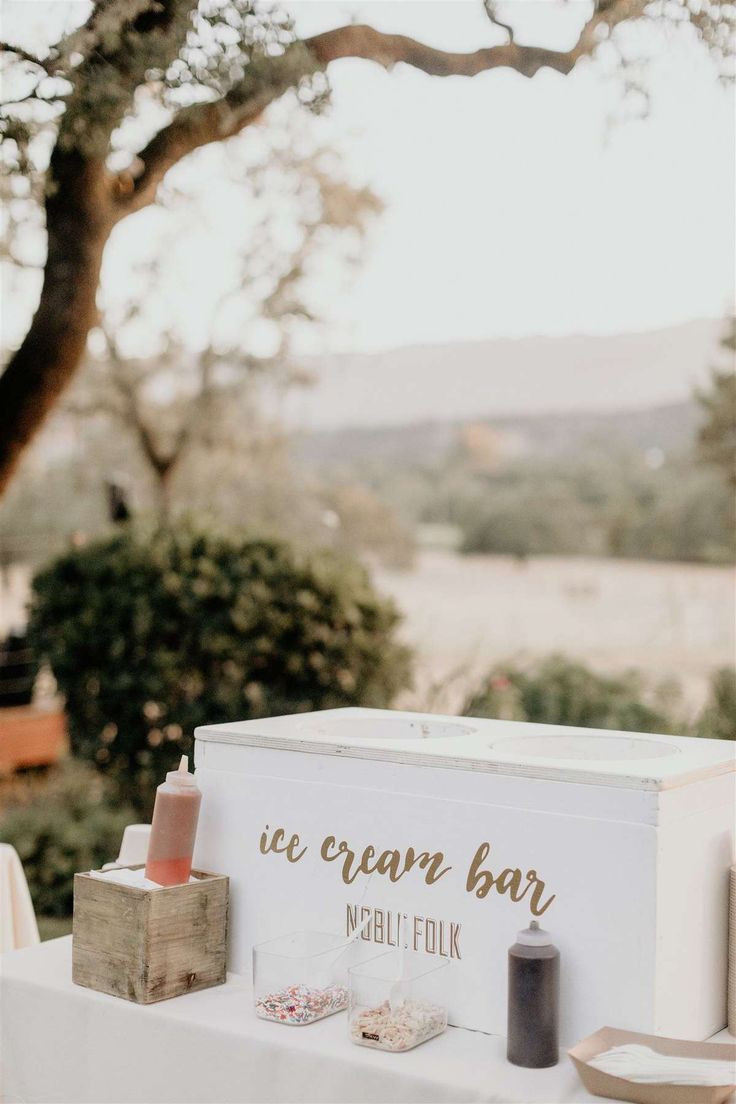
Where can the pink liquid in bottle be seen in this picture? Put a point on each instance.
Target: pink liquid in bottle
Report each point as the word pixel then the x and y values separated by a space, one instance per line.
pixel 174 827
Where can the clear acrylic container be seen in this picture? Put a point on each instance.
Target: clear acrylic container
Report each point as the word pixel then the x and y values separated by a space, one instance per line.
pixel 396 1004
pixel 303 977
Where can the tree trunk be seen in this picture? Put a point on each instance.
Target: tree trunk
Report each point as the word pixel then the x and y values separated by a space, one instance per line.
pixel 163 488
pixel 79 218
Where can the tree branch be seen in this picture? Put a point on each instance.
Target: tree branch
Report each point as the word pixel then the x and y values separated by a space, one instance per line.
pixel 160 461
pixel 361 41
pixel 268 78
pixel 490 10
pixel 84 201
pixel 193 127
pixel 25 55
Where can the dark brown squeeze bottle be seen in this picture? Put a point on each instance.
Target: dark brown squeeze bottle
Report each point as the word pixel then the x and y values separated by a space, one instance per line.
pixel 534 983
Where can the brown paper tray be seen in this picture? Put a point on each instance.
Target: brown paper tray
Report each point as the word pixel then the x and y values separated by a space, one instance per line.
pixel 618 1088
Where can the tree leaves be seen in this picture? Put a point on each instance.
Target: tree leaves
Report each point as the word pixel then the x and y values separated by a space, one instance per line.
pixel 251 629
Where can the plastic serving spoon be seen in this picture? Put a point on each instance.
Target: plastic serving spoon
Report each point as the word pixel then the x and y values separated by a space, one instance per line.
pixel 344 947
pixel 396 993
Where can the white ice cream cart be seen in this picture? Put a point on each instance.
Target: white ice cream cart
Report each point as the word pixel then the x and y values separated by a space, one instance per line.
pixel 448 835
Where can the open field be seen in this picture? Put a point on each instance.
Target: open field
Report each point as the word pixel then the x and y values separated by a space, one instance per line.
pixel 669 620
pixel 463 613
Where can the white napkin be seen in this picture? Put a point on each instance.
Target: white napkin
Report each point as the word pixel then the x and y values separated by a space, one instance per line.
pixel 18 926
pixel 640 1063
pixel 124 876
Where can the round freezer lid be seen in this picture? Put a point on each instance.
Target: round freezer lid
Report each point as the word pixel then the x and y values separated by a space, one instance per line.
pixel 591 749
pixel 386 728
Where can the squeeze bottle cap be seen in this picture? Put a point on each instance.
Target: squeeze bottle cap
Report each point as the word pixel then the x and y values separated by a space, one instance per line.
pixel 181 776
pixel 534 936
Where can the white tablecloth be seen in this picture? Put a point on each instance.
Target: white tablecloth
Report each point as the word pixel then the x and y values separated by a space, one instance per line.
pixel 63 1043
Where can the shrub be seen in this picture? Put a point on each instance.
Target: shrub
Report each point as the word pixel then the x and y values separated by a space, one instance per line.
pixel 528 521
pixel 59 824
pixel 557 690
pixel 718 719
pixel 149 636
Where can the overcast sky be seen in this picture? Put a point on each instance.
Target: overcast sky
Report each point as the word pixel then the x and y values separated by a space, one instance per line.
pixel 512 209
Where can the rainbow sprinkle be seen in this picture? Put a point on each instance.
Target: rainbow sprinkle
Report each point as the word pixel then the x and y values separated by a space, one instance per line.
pixel 300 1004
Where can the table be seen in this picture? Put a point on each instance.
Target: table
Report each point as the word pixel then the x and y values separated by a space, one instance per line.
pixel 61 1043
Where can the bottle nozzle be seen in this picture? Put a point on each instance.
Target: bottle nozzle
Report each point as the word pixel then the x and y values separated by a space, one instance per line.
pixel 534 936
pixel 181 776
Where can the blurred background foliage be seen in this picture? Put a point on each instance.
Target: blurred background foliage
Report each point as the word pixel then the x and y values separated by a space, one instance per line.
pixel 149 636
pixel 156 611
pixel 560 691
pixel 655 484
pixel 159 603
pixel 60 821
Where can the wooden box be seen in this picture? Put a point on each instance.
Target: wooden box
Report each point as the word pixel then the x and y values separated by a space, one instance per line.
pixel 147 945
pixel 448 834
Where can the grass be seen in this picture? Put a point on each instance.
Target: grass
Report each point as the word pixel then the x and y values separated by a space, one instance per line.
pixel 52 927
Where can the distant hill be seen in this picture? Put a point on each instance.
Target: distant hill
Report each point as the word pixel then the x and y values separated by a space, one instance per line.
pixel 491 379
pixel 670 428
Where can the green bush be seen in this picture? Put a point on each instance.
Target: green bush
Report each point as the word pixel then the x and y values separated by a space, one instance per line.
pixel 718 719
pixel 557 690
pixel 590 506
pixel 149 636
pixel 59 825
pixel 528 521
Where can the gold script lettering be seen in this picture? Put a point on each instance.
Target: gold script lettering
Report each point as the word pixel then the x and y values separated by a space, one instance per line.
pixel 290 849
pixel 481 881
pixel 536 900
pixel 389 862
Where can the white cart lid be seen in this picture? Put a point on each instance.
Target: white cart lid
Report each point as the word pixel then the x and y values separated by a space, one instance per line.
pixel 633 760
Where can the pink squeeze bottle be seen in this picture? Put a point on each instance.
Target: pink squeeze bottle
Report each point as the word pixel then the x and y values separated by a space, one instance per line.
pixel 174 827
